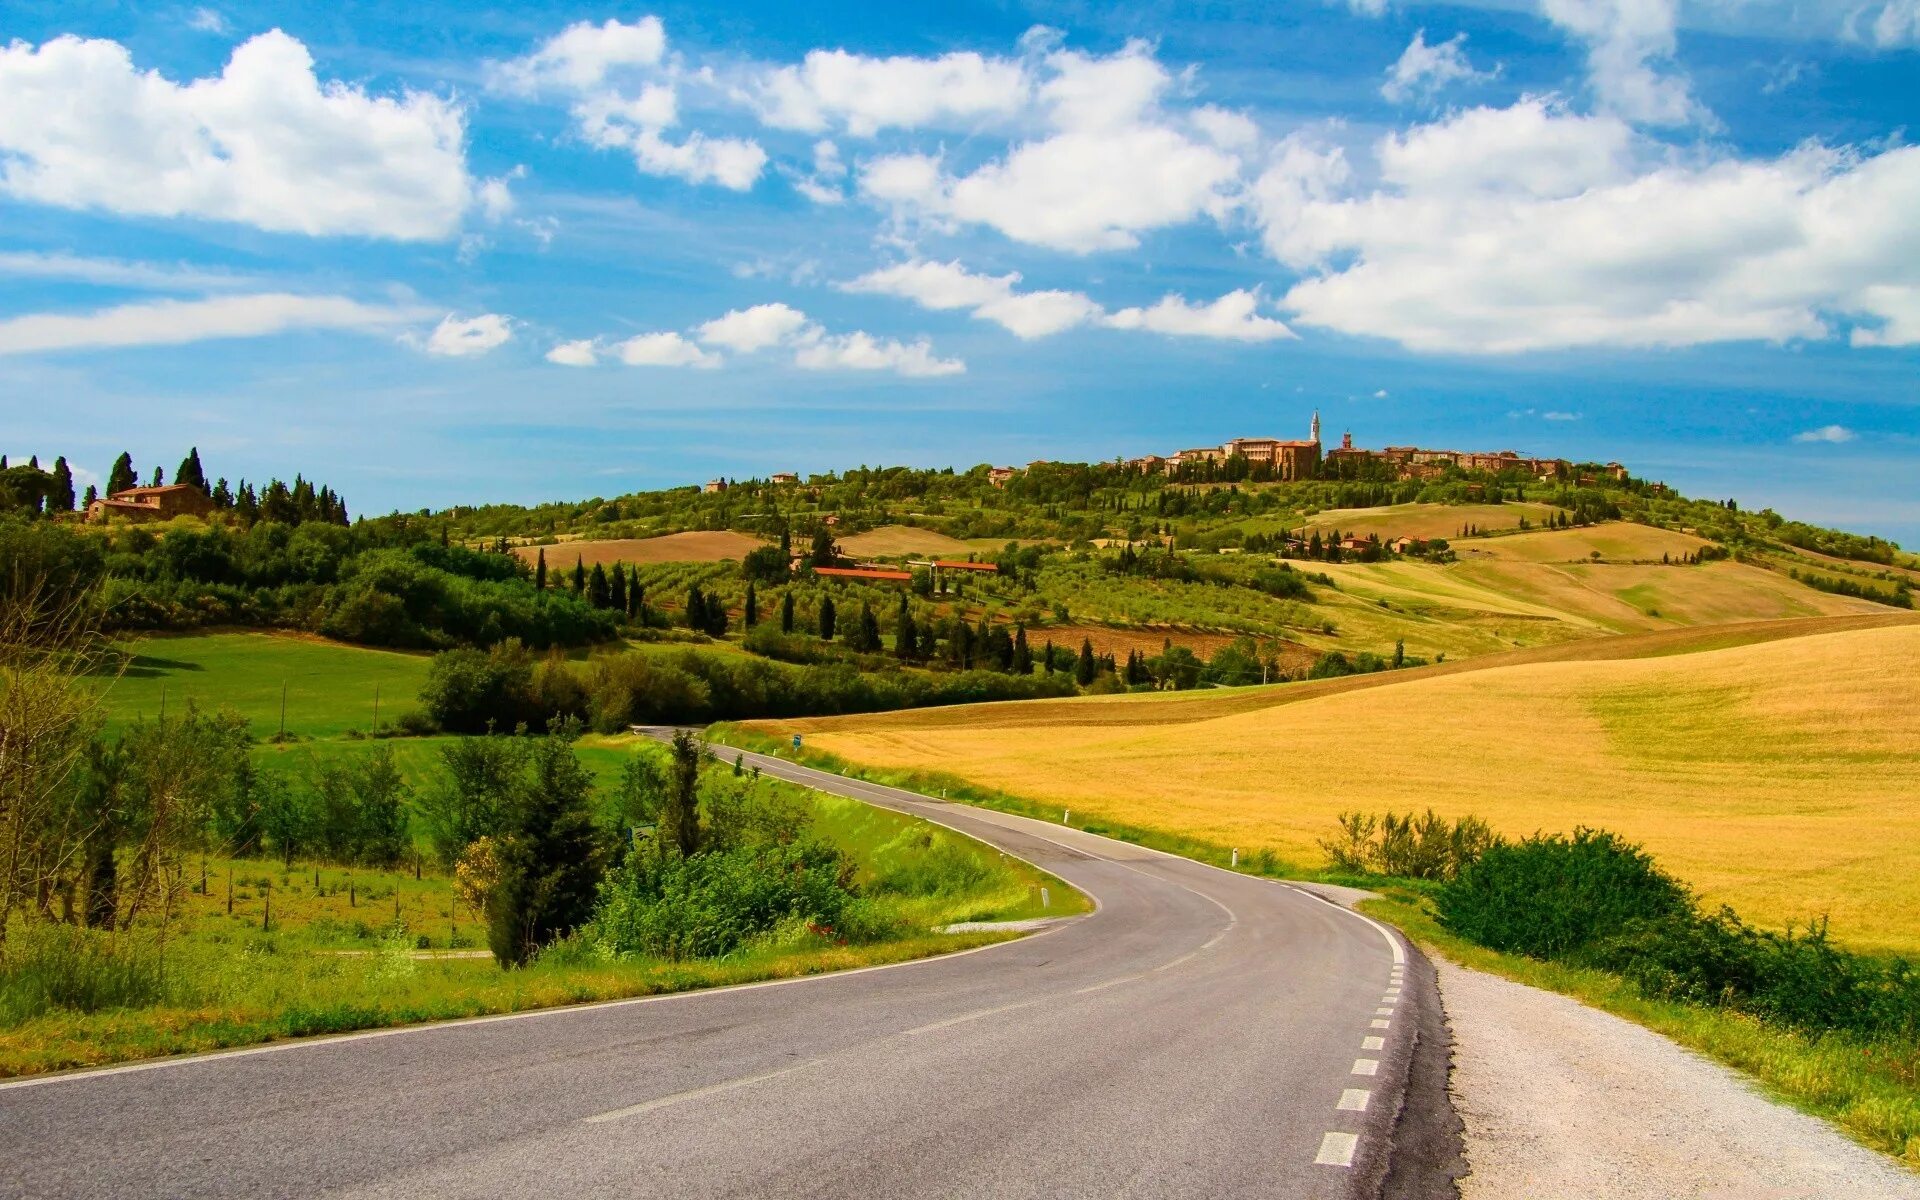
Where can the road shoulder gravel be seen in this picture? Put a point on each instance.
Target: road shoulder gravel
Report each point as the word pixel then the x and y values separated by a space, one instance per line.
pixel 1562 1100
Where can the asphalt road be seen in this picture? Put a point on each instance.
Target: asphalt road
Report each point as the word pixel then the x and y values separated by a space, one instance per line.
pixel 1201 1034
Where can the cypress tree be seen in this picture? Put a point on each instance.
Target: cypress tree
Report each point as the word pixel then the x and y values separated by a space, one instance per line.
pixel 869 632
pixel 549 857
pixel 751 616
pixel 60 499
pixel 679 827
pixel 93 494
pixel 1022 656
pixel 905 637
pixel 579 576
pixel 716 625
pixel 1086 668
pixel 222 495
pixel 599 591
pixel 617 601
pixel 121 477
pixel 1046 658
pixel 826 617
pixel 637 600
pixel 696 608
pixel 190 472
pixel 786 611
pixel 540 570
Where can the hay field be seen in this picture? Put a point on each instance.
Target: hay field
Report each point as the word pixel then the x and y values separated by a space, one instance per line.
pixel 1781 777
pixel 699 546
pixel 1627 597
pixel 1425 520
pixel 1613 541
pixel 891 540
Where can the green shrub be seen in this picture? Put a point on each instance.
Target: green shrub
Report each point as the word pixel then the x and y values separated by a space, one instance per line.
pixel 712 904
pixel 1550 895
pixel 927 863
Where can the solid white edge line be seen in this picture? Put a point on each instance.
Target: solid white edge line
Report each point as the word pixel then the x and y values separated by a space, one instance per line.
pixel 1336 1150
pixel 302 1043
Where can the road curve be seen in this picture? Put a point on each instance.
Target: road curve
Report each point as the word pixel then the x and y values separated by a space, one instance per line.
pixel 1201 1034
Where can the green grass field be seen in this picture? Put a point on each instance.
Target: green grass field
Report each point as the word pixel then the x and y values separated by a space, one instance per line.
pixel 329 687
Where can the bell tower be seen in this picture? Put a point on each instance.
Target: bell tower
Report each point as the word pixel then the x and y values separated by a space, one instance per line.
pixel 1315 439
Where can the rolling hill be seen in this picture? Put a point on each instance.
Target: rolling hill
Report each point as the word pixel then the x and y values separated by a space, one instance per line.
pixel 1781 776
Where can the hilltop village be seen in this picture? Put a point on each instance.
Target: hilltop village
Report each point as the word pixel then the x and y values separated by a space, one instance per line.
pixel 1284 460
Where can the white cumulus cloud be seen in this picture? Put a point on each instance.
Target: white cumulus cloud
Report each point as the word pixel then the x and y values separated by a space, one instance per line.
pixel 861 351
pixel 622 85
pixel 865 95
pixel 582 353
pixel 264 143
pixel 581 56
pixel 457 337
pixel 949 285
pixel 1115 163
pixel 745 330
pixel 1506 230
pixel 1234 316
pixel 1831 434
pixel 1630 45
pixel 664 350
pixel 177 322
pixel 1423 70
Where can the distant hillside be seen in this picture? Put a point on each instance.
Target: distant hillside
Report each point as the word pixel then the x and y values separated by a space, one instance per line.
pixel 1782 777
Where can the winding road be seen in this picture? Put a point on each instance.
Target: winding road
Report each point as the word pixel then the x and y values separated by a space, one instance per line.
pixel 1201 1034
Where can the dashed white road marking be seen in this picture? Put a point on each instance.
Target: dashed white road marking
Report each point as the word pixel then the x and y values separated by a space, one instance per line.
pixel 1379 1024
pixel 1366 1066
pixel 1354 1100
pixel 1336 1150
pixel 1383 1012
pixel 1373 1043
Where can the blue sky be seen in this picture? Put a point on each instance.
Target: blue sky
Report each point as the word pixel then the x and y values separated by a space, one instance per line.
pixel 435 254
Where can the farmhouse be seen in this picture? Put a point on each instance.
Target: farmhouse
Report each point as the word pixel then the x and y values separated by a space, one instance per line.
pixel 715 485
pixel 152 504
pixel 999 476
pixel 783 478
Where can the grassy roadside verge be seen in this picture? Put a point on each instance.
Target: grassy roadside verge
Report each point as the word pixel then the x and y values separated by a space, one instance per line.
pixel 398 990
pixel 1869 1089
pixel 258 951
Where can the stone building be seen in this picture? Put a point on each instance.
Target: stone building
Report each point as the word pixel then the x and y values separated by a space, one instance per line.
pixel 152 504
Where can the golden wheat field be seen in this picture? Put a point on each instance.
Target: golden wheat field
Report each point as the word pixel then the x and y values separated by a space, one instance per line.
pixel 1782 777
pixel 1425 520
pixel 1614 541
pixel 890 540
pixel 699 546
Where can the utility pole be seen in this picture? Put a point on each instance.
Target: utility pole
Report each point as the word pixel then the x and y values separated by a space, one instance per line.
pixel 283 710
pixel 376 708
